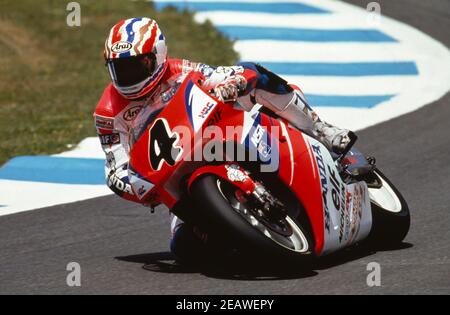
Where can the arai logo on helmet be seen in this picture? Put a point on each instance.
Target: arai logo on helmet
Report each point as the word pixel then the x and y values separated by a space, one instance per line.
pixel 121 47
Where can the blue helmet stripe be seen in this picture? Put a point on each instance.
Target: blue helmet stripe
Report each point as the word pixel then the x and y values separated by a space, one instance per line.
pixel 131 35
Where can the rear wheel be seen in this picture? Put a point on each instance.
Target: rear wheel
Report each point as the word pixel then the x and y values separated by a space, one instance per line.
pixel 390 212
pixel 240 221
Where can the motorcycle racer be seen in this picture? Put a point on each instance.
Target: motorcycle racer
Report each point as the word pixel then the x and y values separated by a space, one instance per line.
pixel 143 75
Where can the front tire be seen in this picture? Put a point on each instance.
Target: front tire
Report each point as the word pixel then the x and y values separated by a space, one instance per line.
pixel 390 212
pixel 230 217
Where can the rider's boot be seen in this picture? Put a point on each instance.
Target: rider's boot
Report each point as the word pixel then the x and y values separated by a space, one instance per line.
pixel 192 247
pixel 188 248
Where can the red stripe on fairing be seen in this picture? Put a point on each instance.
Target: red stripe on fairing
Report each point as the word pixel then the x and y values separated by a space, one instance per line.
pixel 116 35
pixel 319 220
pixel 148 46
pixel 306 185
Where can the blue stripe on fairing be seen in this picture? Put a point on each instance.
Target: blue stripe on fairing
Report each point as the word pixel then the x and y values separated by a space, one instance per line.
pixel 188 101
pixel 306 35
pixel 359 101
pixel 343 69
pixel 60 170
pixel 263 7
pixel 131 35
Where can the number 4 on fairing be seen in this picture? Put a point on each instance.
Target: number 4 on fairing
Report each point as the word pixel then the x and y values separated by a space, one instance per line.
pixel 163 145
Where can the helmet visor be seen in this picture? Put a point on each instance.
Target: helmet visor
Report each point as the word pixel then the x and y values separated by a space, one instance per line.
pixel 132 70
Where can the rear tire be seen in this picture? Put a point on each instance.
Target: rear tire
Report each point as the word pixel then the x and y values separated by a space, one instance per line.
pixel 390 213
pixel 214 204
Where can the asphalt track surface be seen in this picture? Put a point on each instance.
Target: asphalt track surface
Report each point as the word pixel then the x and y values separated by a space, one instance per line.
pixel 112 240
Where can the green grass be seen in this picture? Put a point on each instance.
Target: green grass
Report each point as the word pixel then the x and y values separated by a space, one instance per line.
pixel 52 75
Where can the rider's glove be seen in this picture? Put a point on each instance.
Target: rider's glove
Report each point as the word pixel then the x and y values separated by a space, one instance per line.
pixel 230 89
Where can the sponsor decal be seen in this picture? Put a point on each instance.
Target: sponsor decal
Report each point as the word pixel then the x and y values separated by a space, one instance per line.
pixel 121 47
pixel 235 174
pixel 206 110
pixel 131 113
pixel 216 117
pixel 338 198
pixel 110 139
pixel 258 135
pixel 140 185
pixel 110 160
pixel 264 149
pixel 141 191
pixel 118 185
pixel 324 184
pixel 259 142
pixel 348 200
pixel 198 105
pixel 104 123
pixel 358 197
pixel 168 95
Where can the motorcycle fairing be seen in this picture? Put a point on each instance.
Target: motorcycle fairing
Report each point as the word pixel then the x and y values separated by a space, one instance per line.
pixel 346 208
pixel 298 167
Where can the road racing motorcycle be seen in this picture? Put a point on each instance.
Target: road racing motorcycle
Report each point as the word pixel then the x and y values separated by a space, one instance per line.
pixel 289 196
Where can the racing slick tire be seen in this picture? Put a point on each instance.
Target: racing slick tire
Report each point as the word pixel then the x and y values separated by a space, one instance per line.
pixel 390 212
pixel 216 201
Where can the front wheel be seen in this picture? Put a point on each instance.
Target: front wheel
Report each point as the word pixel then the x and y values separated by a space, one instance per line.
pixel 237 219
pixel 390 212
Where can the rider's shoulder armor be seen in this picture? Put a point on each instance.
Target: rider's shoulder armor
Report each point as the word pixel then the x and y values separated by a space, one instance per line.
pixel 111 103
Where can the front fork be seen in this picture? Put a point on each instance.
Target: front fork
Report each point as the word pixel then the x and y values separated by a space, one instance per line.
pixel 229 172
pixel 253 190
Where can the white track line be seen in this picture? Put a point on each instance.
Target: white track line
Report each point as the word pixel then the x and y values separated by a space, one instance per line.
pixel 269 50
pixel 18 196
pixel 382 85
pixel 88 148
pixel 316 21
